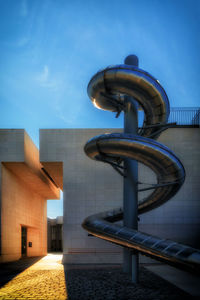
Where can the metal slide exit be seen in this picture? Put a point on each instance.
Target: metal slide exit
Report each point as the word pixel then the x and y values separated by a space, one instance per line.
pixel 107 90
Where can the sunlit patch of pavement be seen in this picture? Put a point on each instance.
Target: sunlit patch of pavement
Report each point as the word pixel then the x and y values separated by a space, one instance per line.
pixel 43 280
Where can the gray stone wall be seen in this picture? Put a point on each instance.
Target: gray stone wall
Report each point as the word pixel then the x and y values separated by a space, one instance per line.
pixel 90 187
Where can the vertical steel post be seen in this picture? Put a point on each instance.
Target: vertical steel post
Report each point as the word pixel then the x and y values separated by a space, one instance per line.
pixel 130 204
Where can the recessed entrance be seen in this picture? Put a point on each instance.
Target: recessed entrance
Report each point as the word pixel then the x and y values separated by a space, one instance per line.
pixel 24 241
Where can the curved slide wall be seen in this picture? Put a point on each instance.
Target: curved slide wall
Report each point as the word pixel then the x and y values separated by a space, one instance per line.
pixel 107 90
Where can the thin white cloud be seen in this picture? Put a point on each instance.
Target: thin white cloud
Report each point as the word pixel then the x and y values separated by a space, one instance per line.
pixel 22 42
pixel 44 75
pixel 47 81
pixel 60 115
pixel 24 8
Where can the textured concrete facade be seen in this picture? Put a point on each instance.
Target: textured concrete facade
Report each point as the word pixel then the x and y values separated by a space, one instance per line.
pixel 179 218
pixel 90 187
pixel 24 190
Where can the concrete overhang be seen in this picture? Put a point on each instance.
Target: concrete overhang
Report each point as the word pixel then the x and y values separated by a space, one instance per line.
pixel 35 179
pixel 55 170
pixel 20 155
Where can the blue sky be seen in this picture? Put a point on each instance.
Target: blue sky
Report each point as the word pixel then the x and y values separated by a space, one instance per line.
pixel 51 48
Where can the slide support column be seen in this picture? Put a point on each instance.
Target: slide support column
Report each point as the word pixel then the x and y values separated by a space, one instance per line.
pixel 130 203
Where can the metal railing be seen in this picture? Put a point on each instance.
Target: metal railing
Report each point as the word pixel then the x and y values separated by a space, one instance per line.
pixel 185 116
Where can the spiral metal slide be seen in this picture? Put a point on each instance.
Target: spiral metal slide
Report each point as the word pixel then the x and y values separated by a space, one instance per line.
pixel 107 89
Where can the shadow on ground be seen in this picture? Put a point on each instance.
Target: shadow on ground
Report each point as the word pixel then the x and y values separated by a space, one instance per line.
pixel 111 283
pixel 11 269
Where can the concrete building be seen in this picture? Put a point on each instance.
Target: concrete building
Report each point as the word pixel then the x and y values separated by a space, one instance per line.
pixel 24 190
pixel 55 234
pixel 90 187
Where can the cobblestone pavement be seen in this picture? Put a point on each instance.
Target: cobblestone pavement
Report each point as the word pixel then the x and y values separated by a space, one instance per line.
pixel 112 284
pixel 43 280
pixel 47 279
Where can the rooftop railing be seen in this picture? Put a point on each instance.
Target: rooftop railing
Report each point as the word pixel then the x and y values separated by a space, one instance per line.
pixel 185 116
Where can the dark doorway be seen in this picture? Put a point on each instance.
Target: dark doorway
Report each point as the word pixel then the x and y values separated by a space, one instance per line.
pixel 24 241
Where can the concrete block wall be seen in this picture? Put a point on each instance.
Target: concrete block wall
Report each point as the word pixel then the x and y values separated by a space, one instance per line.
pixel 24 190
pixel 21 207
pixel 179 218
pixel 90 187
pixel 11 148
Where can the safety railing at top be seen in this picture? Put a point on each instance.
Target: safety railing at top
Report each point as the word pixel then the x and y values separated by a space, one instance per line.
pixel 188 116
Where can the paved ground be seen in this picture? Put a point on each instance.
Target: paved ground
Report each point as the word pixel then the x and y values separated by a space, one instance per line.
pixel 10 270
pixel 111 283
pixel 46 278
pixel 185 281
